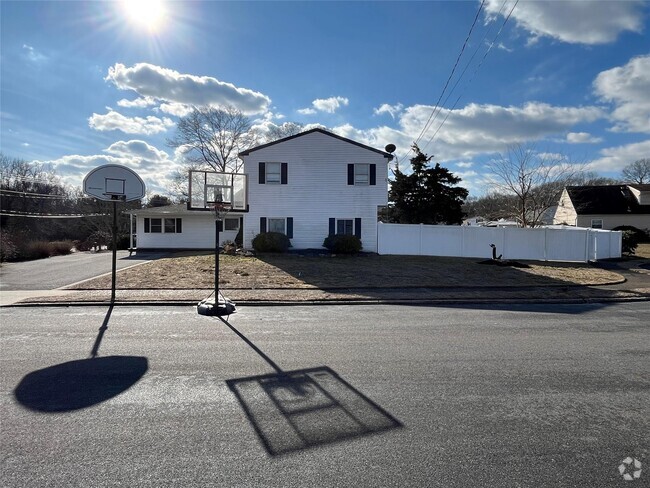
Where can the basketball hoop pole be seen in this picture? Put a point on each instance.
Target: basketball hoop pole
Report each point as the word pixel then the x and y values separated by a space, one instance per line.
pixel 216 257
pixel 114 252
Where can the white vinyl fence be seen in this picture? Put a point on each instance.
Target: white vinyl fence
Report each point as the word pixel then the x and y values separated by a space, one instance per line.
pixel 540 244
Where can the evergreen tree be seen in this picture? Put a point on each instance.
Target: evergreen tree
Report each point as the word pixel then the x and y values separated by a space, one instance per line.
pixel 427 195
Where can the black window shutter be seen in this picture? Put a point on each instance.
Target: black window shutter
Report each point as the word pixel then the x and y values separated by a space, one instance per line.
pixel 290 227
pixel 179 226
pixel 146 226
pixel 220 225
pixel 283 173
pixel 373 174
pixel 262 173
pixel 357 227
pixel 350 174
pixel 332 226
pixel 262 224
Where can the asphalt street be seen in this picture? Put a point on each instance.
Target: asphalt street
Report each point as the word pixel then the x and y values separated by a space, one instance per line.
pixel 58 271
pixel 517 396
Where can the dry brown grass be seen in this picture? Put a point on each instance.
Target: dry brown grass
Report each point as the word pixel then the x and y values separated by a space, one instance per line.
pixel 643 251
pixel 195 270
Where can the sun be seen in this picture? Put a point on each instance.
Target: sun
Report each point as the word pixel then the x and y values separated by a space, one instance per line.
pixel 146 14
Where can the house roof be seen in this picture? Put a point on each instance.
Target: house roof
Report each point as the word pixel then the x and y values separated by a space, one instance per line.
pixel 322 131
pixel 605 200
pixel 639 187
pixel 175 210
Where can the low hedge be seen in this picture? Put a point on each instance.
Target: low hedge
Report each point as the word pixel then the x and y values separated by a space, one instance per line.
pixel 271 242
pixel 343 244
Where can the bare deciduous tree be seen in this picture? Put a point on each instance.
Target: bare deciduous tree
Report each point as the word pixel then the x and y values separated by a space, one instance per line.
pixel 535 180
pixel 214 137
pixel 637 172
pixel 284 130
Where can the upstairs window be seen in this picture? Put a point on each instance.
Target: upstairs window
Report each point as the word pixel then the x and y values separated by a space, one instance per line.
pixel 362 174
pixel 596 223
pixel 273 173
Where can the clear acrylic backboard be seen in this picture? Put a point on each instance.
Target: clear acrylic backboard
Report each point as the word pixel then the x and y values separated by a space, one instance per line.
pixel 207 188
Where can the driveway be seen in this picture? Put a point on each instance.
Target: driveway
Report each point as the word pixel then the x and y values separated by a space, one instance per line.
pixel 56 272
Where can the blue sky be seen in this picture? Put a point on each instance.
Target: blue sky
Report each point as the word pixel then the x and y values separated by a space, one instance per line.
pixel 90 83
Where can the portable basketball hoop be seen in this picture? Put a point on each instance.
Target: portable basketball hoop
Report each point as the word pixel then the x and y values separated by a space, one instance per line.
pixel 217 305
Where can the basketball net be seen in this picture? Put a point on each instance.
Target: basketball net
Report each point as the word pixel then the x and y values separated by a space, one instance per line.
pixel 220 209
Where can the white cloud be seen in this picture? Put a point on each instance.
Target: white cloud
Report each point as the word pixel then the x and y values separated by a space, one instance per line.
pixel 170 86
pixel 177 109
pixel 484 128
pixel 464 165
pixel 392 110
pixel 33 55
pixel 573 21
pixel 581 138
pixel 140 102
pixel 136 148
pixel 614 159
pixel 151 164
pixel 306 111
pixel 628 87
pixel 328 105
pixel 130 125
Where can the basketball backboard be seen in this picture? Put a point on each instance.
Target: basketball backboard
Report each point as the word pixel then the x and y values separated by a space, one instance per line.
pixel 112 182
pixel 207 188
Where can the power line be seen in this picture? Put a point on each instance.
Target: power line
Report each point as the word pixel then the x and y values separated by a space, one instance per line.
pixel 460 54
pixel 473 74
pixel 33 195
pixel 11 213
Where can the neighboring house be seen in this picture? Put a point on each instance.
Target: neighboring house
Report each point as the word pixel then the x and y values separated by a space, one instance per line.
pixel 306 186
pixel 605 207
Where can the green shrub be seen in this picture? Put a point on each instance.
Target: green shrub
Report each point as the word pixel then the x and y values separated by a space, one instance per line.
pixel 641 235
pixel 343 244
pixel 271 242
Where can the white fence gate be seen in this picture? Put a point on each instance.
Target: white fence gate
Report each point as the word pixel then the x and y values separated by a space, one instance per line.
pixel 540 244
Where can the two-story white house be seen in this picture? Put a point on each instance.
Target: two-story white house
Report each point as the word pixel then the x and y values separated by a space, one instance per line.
pixel 306 186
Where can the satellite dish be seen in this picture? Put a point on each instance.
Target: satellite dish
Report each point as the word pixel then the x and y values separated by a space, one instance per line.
pixel 112 182
pixel 390 148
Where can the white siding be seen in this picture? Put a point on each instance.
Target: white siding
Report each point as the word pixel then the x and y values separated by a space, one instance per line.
pixel 565 213
pixel 198 232
pixel 610 221
pixel 316 190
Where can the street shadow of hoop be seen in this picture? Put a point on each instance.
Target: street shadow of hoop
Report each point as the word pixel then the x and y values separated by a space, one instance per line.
pixel 79 384
pixel 296 410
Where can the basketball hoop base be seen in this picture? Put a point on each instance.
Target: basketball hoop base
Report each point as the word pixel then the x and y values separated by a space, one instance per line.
pixel 223 307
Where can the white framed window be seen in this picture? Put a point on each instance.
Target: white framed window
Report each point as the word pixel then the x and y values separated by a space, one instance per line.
pixel 345 226
pixel 361 174
pixel 156 226
pixel 173 226
pixel 277 225
pixel 160 225
pixel 231 224
pixel 596 223
pixel 274 173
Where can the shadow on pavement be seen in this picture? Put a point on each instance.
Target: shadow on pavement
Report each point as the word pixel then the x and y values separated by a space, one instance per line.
pixel 296 410
pixel 79 384
pixel 82 383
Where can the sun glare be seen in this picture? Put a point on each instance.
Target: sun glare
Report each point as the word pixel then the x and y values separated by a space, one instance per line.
pixel 147 14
